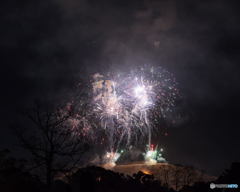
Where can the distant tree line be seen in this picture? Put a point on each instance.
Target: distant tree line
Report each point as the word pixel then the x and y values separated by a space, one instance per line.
pixel 13 178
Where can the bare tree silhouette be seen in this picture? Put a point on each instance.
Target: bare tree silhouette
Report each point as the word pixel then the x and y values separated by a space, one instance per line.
pixel 189 175
pixel 51 139
pixel 177 172
pixel 163 174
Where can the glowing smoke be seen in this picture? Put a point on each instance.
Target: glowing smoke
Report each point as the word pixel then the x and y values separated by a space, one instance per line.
pixel 154 156
pixel 110 159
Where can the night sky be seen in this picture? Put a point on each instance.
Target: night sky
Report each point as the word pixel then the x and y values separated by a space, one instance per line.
pixel 47 47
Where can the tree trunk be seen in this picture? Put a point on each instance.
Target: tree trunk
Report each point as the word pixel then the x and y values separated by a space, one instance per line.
pixel 49 179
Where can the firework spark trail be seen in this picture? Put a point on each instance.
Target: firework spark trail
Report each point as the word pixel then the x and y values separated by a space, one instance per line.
pixel 123 107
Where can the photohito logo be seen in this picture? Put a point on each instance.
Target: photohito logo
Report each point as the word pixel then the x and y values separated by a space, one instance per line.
pixel 212 186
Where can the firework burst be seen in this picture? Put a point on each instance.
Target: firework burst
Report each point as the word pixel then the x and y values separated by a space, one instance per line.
pixel 121 108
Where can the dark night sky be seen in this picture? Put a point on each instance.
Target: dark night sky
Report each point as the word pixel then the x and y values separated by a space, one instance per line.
pixel 48 46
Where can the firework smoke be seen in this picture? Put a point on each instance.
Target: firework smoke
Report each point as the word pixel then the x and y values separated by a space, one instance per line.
pixel 110 159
